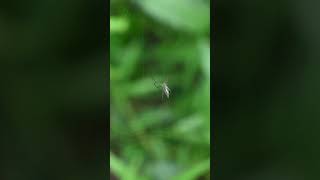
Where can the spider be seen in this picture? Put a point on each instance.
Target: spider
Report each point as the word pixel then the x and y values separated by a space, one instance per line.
pixel 163 86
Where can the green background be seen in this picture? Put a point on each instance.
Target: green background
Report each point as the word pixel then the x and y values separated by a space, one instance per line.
pixel 53 91
pixel 151 137
pixel 266 74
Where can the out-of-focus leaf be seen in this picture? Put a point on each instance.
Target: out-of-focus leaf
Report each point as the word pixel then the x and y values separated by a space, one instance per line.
pixel 129 59
pixel 178 51
pixel 204 49
pixel 117 166
pixel 114 74
pixel 163 170
pixel 184 15
pixel 118 25
pixel 146 120
pixel 187 125
pixel 151 118
pixel 141 87
pixel 195 171
pixel 128 172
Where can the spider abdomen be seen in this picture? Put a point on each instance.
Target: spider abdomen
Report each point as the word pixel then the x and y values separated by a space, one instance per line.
pixel 166 89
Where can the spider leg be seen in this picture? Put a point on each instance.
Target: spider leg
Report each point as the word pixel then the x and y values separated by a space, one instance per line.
pixel 162 96
pixel 156 84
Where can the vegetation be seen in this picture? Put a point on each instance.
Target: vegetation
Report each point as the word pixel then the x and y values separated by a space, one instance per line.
pixel 154 137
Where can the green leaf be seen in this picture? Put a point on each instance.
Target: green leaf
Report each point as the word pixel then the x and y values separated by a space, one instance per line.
pixel 184 15
pixel 129 59
pixel 195 171
pixel 117 166
pixel 118 25
pixel 126 172
pixel 163 169
pixel 204 49
pixel 188 124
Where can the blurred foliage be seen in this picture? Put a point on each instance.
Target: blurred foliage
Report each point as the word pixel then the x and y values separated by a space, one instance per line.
pixel 151 137
pixel 53 98
pixel 267 99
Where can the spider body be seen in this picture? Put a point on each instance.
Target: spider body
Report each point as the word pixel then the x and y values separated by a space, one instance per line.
pixel 164 87
pixel 165 90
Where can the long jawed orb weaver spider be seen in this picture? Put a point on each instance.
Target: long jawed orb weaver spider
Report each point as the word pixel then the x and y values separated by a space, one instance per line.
pixel 163 86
